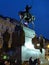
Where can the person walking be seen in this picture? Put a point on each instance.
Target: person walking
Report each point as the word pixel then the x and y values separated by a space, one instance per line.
pixel 30 61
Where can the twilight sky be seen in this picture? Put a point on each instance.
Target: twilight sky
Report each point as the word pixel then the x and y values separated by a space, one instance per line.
pixel 40 9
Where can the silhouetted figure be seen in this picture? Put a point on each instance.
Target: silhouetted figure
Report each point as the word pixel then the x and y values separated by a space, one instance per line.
pixel 6 37
pixel 26 15
pixel 35 62
pixel 22 13
pixel 17 42
pixel 18 37
pixel 15 37
pixel 27 8
pixel 30 61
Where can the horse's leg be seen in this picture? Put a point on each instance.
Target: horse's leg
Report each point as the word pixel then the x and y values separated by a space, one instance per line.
pixel 33 25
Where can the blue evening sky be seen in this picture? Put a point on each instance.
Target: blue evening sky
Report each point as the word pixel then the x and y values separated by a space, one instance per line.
pixel 40 9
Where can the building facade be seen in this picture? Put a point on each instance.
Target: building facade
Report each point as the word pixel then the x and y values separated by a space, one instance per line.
pixel 6 23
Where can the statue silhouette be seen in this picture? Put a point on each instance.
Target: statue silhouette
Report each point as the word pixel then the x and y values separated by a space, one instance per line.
pixel 18 37
pixel 6 37
pixel 26 15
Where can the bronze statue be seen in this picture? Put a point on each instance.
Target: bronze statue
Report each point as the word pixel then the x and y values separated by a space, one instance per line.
pixel 6 37
pixel 26 15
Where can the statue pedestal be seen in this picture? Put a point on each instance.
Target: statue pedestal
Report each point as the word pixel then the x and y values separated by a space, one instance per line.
pixel 28 49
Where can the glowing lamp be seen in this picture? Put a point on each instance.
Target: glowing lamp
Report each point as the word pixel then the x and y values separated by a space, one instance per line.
pixel 47 46
pixel 38 44
pixel 4 57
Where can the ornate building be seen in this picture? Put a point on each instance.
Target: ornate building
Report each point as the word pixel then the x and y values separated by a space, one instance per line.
pixel 5 23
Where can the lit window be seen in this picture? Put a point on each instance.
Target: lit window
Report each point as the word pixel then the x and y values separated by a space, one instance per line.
pixel 38 44
pixel 47 46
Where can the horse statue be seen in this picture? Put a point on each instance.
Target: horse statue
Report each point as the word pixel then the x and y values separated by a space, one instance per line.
pixel 26 15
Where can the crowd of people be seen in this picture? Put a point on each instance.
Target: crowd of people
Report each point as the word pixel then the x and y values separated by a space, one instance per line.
pixel 35 62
